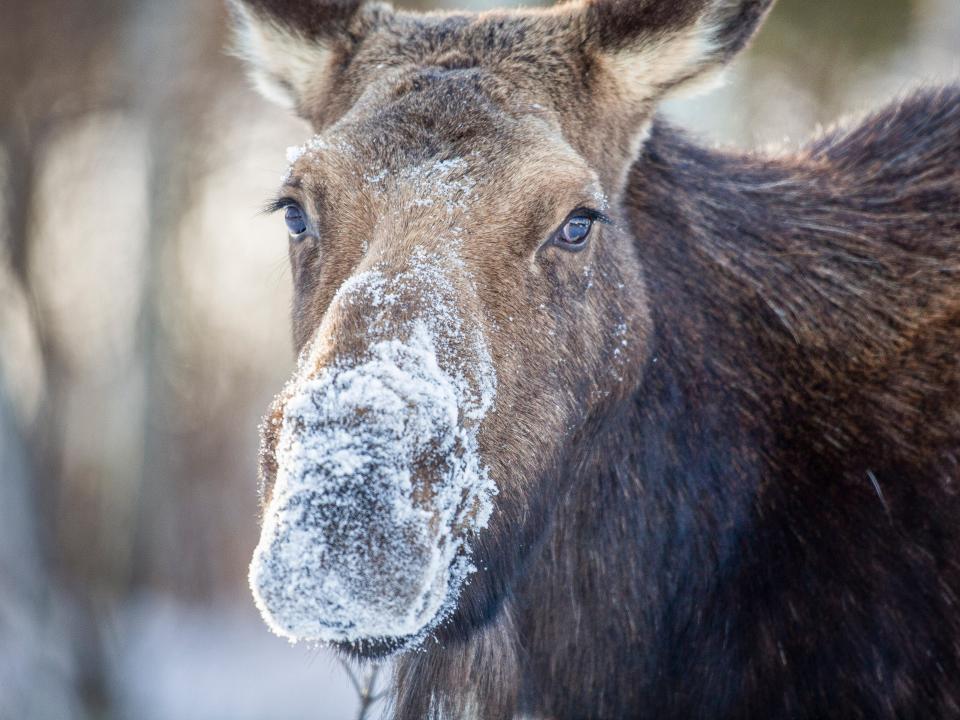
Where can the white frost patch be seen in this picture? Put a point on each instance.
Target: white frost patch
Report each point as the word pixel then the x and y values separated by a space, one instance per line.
pixel 444 183
pixel 314 144
pixel 298 151
pixel 378 178
pixel 603 202
pixel 380 484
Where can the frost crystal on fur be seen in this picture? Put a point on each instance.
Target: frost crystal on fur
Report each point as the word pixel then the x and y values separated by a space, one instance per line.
pixel 379 484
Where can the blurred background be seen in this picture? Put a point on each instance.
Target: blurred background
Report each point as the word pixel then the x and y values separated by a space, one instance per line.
pixel 144 329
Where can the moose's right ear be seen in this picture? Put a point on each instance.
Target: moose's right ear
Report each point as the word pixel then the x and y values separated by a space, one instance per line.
pixel 292 46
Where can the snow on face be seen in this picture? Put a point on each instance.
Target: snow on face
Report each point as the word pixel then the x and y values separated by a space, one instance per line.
pixel 379 484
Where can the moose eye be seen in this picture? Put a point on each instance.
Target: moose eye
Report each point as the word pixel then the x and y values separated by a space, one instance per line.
pixel 295 219
pixel 574 233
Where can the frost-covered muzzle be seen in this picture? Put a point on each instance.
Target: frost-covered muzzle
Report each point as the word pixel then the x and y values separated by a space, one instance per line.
pixel 379 484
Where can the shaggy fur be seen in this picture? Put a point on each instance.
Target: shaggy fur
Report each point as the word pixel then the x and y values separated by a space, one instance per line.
pixel 726 434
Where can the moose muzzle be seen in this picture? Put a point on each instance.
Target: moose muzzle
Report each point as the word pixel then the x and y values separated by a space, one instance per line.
pixel 379 484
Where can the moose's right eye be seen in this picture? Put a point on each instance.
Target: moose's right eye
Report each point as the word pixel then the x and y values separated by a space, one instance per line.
pixel 295 219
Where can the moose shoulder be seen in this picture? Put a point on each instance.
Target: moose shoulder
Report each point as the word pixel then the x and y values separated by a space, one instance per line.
pixel 592 422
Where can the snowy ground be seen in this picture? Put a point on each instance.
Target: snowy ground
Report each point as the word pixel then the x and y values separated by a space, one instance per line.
pixel 172 661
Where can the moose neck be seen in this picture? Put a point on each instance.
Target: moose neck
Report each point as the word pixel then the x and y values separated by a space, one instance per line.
pixel 662 488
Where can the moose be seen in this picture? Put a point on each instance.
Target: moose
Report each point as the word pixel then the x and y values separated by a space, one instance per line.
pixel 590 421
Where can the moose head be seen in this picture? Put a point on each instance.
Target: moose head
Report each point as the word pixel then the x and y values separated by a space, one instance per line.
pixel 468 298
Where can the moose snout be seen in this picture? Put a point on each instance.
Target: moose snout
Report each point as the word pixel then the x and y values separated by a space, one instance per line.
pixel 378 486
pixel 328 571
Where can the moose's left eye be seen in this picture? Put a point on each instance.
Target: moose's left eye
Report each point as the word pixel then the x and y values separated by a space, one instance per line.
pixel 575 231
pixel 295 219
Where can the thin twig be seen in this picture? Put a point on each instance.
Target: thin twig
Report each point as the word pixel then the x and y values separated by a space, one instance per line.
pixel 353 678
pixel 366 690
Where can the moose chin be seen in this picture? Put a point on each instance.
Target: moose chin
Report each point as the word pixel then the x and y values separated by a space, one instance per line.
pixel 590 421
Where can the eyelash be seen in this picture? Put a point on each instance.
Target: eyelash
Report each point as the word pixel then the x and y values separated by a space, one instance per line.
pixel 278 204
pixel 594 215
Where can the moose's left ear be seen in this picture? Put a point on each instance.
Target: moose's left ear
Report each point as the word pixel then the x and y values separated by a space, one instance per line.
pixel 657 45
pixel 292 46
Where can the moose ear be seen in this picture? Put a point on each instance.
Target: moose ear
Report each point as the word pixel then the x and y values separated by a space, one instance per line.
pixel 291 46
pixel 654 46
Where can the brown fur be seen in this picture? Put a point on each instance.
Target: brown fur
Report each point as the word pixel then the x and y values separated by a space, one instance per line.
pixel 726 435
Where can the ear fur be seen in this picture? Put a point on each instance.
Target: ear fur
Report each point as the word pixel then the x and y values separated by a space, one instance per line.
pixel 289 45
pixel 654 46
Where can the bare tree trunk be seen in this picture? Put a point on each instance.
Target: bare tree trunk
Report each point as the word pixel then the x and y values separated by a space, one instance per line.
pixel 36 663
pixel 173 108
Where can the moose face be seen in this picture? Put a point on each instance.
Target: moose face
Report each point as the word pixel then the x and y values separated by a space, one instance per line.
pixel 466 298
pixel 457 318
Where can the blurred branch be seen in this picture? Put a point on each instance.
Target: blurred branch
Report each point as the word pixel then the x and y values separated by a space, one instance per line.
pixel 35 667
pixel 178 37
pixel 366 688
